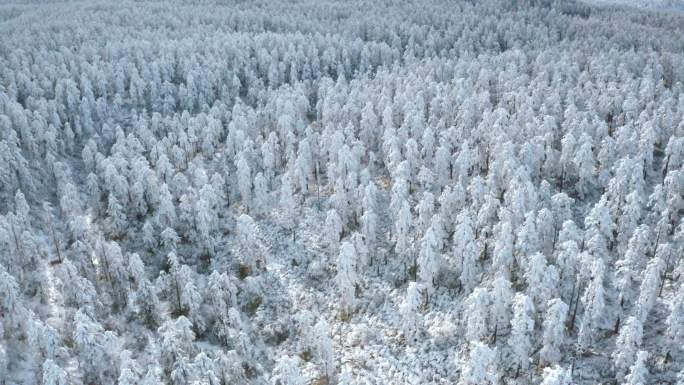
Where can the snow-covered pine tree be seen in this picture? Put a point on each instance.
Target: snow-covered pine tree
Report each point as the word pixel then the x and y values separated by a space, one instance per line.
pixel 145 303
pixel 261 201
pixel 503 248
pixel 627 345
pixel 346 278
pixel 409 309
pixel 554 332
pixel 428 262
pixel 129 371
pixel 466 251
pixel 594 303
pixel 648 292
pixel 402 231
pixel 675 321
pixel 475 315
pixel 250 248
pixel 638 373
pixel 522 326
pixel 88 336
pixel 324 351
pixel 53 374
pixel 585 164
pixel 502 297
pixel 288 205
pixel 286 371
pixel 244 178
pixel 480 368
pixel 333 231
pixel 556 376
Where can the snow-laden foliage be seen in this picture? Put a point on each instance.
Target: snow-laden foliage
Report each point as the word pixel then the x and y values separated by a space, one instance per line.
pixel 359 192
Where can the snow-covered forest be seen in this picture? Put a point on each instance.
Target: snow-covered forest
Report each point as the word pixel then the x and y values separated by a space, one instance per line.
pixel 651 4
pixel 326 192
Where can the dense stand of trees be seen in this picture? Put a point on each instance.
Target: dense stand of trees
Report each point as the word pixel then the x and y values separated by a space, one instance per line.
pixel 320 193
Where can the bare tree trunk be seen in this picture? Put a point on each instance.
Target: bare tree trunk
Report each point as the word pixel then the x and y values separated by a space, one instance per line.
pixel 17 244
pixel 574 313
pixel 54 238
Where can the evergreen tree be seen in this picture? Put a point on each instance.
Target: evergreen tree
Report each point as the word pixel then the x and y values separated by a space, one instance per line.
pixel 402 230
pixel 467 251
pixel 502 297
pixel 286 372
pixel 522 326
pixel 129 372
pixel 89 337
pixel 648 292
pixel 475 315
pixel 594 303
pixel 480 368
pixel 428 262
pixel 244 178
pixel 251 250
pixel 346 278
pixel 261 198
pixel 627 345
pixel 53 374
pixel 324 349
pixel 410 312
pixel 675 321
pixel 503 248
pixel 638 373
pixel 288 205
pixel 554 332
pixel 334 228
pixel 556 376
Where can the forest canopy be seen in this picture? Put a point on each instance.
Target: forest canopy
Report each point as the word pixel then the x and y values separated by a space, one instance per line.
pixel 326 192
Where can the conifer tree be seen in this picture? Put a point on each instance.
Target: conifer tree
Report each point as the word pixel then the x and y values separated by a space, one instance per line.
pixel 476 326
pixel 428 262
pixel 638 373
pixel 594 303
pixel 554 332
pixel 286 372
pixel 480 368
pixel 675 321
pixel 53 374
pixel 522 326
pixel 557 376
pixel 346 278
pixel 502 297
pixel 410 312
